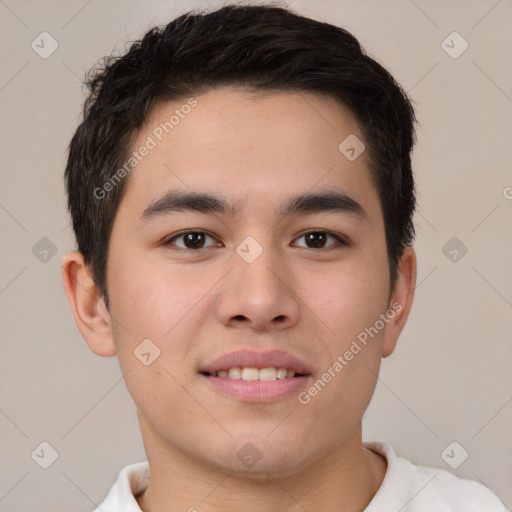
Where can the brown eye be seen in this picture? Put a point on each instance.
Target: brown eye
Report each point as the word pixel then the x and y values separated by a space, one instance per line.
pixel 318 239
pixel 190 240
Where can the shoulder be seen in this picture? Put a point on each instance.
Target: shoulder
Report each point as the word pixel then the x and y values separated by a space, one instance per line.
pixel 131 481
pixel 421 489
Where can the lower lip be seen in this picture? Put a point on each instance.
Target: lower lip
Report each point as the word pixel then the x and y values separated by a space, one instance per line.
pixel 257 390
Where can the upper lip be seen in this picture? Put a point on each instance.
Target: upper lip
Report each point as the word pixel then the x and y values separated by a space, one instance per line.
pixel 245 358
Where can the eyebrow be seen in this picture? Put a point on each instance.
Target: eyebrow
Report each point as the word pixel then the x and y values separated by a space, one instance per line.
pixel 176 201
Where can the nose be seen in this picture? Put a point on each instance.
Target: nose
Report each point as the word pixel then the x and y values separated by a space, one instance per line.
pixel 259 295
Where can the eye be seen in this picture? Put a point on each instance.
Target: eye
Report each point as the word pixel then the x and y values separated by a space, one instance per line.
pixel 191 240
pixel 195 240
pixel 317 239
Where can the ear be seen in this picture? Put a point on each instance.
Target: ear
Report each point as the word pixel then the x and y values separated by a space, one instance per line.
pixel 91 316
pixel 401 300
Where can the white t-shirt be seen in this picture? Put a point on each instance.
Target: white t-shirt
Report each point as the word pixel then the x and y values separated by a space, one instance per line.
pixel 405 488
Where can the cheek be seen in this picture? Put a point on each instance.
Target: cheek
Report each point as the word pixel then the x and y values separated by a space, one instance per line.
pixel 158 297
pixel 348 298
pixel 350 302
pixel 158 302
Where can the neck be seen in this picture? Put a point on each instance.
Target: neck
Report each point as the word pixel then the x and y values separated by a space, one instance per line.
pixel 346 479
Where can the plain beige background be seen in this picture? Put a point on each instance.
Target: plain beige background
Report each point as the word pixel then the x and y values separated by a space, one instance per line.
pixel 449 379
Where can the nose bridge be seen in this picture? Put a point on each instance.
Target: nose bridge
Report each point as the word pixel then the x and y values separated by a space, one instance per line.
pixel 259 268
pixel 259 289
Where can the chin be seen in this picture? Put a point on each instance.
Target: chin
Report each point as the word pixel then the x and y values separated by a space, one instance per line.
pixel 263 460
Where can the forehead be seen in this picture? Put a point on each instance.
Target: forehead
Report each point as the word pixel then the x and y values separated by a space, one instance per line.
pixel 250 148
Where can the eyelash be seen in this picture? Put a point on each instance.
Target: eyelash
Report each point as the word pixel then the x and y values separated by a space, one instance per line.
pixel 341 241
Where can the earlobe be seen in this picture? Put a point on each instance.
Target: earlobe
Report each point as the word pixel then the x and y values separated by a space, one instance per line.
pixel 401 300
pixel 91 317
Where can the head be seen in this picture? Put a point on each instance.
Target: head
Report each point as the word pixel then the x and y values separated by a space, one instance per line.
pixel 250 104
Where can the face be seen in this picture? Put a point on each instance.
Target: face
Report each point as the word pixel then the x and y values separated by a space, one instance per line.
pixel 201 279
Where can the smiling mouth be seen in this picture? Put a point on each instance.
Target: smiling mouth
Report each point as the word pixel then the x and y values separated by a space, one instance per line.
pixel 255 374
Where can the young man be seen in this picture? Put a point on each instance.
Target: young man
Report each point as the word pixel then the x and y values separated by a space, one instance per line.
pixel 242 198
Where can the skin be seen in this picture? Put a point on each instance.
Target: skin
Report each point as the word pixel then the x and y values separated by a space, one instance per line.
pixel 256 150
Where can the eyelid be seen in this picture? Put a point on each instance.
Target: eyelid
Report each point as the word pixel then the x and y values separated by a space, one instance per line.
pixel 340 239
pixel 168 240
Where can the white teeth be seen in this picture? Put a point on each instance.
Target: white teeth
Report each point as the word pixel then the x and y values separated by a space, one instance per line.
pixel 281 373
pixel 265 374
pixel 250 374
pixel 235 373
pixel 268 374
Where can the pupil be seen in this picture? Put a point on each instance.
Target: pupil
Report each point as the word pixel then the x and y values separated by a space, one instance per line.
pixel 317 239
pixel 194 240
